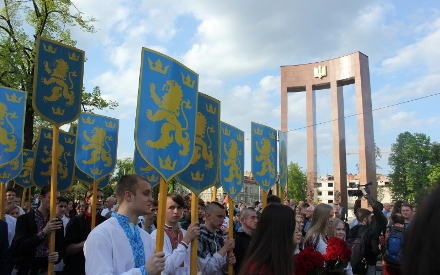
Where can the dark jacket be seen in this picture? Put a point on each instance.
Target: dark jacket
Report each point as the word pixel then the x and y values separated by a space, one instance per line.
pixel 77 230
pixel 242 241
pixel 4 249
pixel 371 241
pixel 26 241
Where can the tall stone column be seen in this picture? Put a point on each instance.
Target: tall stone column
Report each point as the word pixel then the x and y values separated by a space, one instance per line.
pixel 311 144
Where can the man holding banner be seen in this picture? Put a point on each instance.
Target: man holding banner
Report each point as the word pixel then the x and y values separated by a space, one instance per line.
pixel 118 245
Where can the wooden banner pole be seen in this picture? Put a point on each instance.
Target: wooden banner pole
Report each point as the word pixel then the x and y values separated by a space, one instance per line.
pixel 2 200
pixel 214 193
pixel 53 192
pixel 30 199
pixel 194 243
pixel 264 198
pixel 95 200
pixel 163 192
pixel 23 197
pixel 231 230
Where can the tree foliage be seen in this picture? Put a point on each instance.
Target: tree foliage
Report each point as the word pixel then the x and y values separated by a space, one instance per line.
pixel 123 166
pixel 21 21
pixel 297 182
pixel 413 158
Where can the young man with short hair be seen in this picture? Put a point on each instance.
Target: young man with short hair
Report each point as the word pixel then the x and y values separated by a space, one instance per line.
pixel 11 196
pixel 61 215
pixel 243 236
pixel 397 228
pixel 407 212
pixel 212 249
pixel 177 241
pixel 30 247
pixel 118 245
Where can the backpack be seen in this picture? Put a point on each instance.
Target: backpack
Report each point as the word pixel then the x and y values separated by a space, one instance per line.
pixel 393 253
pixel 358 259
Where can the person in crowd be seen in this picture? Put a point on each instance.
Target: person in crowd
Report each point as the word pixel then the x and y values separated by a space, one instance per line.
pixel 297 237
pixel 300 221
pixel 118 245
pixel 407 212
pixel 30 246
pixel 77 230
pixel 212 248
pixel 4 251
pixel 292 204
pixel 177 241
pixel 201 213
pixel 421 245
pixel 397 229
pixel 150 222
pixel 81 207
pixel 319 231
pixel 12 210
pixel 397 208
pixel 273 199
pixel 272 246
pixel 11 195
pixel 297 210
pixel 110 203
pixel 338 230
pixel 61 215
pixel 308 219
pixel 386 209
pixel 304 208
pixel 243 236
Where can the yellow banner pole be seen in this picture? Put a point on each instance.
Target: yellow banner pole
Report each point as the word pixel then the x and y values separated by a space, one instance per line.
pixel 163 191
pixel 214 193
pixel 230 229
pixel 53 192
pixel 2 201
pixel 30 199
pixel 264 198
pixel 194 243
pixel 23 197
pixel 95 198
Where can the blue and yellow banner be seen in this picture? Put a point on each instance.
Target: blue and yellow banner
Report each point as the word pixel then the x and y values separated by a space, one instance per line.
pixel 166 113
pixel 97 143
pixel 88 180
pixel 12 113
pixel 231 159
pixel 24 178
pixel 282 155
pixel 58 81
pixel 141 167
pixel 264 155
pixel 11 170
pixel 43 159
pixel 203 171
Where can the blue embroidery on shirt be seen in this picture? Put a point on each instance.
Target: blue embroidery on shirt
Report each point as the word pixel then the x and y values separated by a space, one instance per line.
pixel 135 241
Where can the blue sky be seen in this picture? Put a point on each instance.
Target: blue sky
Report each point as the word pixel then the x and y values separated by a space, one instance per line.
pixel 237 48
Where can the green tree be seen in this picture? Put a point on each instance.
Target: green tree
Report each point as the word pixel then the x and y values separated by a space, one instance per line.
pixel 410 161
pixel 123 166
pixel 20 24
pixel 297 182
pixel 77 191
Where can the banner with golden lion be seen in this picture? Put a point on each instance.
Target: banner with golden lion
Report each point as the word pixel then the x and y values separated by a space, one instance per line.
pixel 203 171
pixel 24 178
pixel 264 155
pixel 58 81
pixel 166 113
pixel 97 144
pixel 141 167
pixel 11 170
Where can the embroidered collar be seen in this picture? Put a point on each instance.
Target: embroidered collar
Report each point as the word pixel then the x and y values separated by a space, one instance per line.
pixel 134 238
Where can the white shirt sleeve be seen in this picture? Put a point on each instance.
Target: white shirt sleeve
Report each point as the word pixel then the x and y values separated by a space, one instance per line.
pixel 211 264
pixel 173 258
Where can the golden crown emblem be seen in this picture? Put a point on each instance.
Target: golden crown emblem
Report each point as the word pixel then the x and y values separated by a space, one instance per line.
pixel 167 164
pixel 25 153
pixel 210 109
pixel 187 81
pixel 26 181
pixel 49 48
pixel 4 175
pixel 48 135
pixel 73 56
pixel 110 125
pixel 13 98
pixel 226 132
pixel 232 190
pixel 197 176
pixel 239 137
pixel 272 135
pixel 258 131
pixel 158 66
pixel 96 171
pixel 152 178
pixel 88 120
pixel 69 140
pixel 58 111
pixel 265 182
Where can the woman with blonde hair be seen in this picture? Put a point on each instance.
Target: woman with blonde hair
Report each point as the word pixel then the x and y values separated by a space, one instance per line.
pixel 319 231
pixel 12 210
pixel 338 229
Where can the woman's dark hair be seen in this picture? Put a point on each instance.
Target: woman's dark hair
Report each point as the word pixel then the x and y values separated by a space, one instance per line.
pixel 421 242
pixel 397 207
pixel 271 249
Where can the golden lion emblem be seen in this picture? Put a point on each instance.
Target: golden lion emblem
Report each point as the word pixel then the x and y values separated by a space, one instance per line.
pixel 170 105
pixel 201 149
pixel 265 156
pixel 7 138
pixel 58 76
pixel 61 167
pixel 26 169
pixel 232 153
pixel 96 143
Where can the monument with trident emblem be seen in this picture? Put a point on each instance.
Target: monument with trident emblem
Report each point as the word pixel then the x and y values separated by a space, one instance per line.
pixel 334 74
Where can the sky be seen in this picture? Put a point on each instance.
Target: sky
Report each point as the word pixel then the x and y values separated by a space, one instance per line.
pixel 237 48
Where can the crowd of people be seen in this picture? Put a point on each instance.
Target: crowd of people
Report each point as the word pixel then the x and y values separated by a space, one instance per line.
pixel 265 240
